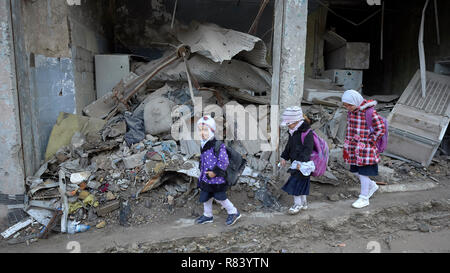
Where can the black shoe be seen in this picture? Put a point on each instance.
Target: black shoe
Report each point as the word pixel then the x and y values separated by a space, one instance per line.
pixel 204 220
pixel 232 218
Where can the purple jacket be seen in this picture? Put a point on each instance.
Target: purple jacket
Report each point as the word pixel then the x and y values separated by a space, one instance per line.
pixel 209 162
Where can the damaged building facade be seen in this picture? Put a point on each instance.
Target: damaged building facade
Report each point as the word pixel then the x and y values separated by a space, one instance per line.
pixel 78 73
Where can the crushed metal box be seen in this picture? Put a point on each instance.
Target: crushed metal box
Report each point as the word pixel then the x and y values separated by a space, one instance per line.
pixel 417 125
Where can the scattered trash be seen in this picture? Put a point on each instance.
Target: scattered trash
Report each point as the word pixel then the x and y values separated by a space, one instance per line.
pixel 124 213
pixel 75 227
pixel 101 225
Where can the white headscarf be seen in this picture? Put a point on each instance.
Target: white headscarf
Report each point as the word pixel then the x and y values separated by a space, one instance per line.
pixel 352 97
pixel 210 124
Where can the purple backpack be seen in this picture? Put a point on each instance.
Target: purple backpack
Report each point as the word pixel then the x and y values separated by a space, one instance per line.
pixel 383 140
pixel 319 154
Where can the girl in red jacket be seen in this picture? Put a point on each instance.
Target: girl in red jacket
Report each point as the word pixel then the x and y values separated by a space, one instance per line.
pixel 360 150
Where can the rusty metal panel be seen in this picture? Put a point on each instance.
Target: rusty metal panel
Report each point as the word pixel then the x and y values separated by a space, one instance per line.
pixel 417 125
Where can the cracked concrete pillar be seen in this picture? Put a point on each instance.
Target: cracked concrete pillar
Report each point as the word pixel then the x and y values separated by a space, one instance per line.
pixel 288 57
pixel 11 158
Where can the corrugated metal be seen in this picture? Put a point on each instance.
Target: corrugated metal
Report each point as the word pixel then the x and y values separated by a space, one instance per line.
pixel 437 100
pixel 220 44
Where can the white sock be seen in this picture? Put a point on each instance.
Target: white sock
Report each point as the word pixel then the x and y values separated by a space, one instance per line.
pixel 298 200
pixel 365 184
pixel 304 199
pixel 208 208
pixel 228 206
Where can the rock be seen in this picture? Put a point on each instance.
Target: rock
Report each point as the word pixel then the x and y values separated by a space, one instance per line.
pixel 386 173
pixel 101 225
pixel 265 155
pixel 256 164
pixel 148 203
pixel 333 197
pixel 251 194
pixel 170 200
pixel 336 155
pixel 411 227
pixel 78 178
pixel 93 185
pixel 133 161
pixel 316 194
pixel 424 227
pixel 110 196
pixel 151 138
pixel 123 184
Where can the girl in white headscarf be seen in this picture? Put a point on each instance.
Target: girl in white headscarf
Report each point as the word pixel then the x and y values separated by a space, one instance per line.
pixel 360 150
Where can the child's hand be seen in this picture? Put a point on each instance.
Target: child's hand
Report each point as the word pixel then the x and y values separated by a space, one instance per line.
pixel 298 166
pixel 211 174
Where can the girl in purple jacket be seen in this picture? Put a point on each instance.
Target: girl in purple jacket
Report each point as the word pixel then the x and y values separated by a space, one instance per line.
pixel 212 172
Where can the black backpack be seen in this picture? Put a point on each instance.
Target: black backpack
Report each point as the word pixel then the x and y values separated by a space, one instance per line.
pixel 236 164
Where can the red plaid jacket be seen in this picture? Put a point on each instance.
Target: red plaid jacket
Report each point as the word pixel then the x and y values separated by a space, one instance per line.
pixel 360 146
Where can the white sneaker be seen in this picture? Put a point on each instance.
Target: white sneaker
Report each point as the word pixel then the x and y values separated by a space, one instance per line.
pixel 373 190
pixel 295 209
pixel 305 206
pixel 361 203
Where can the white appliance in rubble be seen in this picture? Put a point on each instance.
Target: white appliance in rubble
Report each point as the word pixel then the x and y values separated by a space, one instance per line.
pixel 109 70
pixel 348 79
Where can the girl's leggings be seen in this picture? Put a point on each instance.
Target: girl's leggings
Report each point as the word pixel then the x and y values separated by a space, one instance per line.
pixel 208 207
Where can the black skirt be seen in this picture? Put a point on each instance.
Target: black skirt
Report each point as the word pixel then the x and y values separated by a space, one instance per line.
pixel 205 196
pixel 369 170
pixel 297 185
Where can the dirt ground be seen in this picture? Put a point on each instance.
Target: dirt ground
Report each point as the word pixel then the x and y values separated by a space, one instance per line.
pixel 394 222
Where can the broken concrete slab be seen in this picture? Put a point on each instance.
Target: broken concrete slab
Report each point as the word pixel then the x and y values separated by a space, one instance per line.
pixel 418 186
pixel 386 173
pixel 256 163
pixel 135 160
pixel 190 148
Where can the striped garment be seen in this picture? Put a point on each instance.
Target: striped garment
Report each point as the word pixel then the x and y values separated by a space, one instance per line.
pixel 291 115
pixel 360 146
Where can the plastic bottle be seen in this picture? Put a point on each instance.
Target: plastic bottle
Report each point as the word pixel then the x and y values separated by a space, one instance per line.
pixel 75 227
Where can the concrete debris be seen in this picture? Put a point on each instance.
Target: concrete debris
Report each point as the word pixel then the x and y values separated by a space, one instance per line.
pixel 17 227
pixel 108 207
pixel 408 187
pixel 123 153
pixel 78 178
pixel 133 161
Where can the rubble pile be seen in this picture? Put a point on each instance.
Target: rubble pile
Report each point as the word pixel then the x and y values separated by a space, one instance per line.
pixel 100 165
